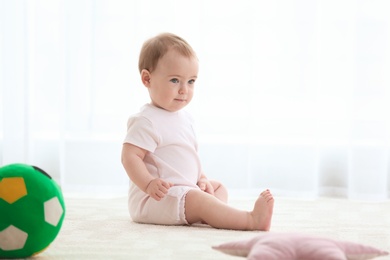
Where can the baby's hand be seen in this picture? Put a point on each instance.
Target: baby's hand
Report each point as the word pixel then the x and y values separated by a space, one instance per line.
pixel 205 185
pixel 157 188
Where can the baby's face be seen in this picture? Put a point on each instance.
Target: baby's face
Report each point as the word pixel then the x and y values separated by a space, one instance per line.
pixel 172 82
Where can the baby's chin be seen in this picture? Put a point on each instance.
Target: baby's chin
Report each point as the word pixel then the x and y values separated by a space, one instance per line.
pixel 174 106
pixel 177 106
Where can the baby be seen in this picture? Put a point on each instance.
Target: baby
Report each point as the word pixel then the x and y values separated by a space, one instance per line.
pixel 160 150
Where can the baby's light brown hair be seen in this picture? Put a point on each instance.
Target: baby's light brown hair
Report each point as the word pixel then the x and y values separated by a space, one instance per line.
pixel 155 48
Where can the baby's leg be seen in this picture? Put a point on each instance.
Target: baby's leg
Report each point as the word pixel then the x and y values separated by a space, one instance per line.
pixel 201 206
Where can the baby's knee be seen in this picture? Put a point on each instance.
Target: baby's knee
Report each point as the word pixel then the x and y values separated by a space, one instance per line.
pixel 220 191
pixel 217 185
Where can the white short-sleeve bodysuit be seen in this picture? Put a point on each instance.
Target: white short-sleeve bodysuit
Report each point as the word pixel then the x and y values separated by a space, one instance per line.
pixel 170 140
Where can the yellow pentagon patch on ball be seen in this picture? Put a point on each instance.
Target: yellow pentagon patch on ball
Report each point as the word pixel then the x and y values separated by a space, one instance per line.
pixel 12 189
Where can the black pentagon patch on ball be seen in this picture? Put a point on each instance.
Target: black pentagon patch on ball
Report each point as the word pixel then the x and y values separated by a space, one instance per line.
pixel 41 171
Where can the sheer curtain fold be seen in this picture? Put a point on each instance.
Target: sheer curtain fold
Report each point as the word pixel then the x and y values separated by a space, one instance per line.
pixel 291 95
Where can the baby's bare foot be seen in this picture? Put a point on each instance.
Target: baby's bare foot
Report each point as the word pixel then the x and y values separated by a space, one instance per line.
pixel 262 211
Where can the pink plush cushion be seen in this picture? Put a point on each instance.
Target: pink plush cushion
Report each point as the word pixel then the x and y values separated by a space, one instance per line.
pixel 292 246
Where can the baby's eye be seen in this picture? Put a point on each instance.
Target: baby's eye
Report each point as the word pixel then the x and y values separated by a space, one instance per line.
pixel 174 80
pixel 192 81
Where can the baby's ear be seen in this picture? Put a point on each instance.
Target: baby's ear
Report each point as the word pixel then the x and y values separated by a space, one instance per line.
pixel 145 77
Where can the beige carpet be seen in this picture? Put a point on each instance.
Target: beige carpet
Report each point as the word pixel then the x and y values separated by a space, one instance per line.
pixel 102 229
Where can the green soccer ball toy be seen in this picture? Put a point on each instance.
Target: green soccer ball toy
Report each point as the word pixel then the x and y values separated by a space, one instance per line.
pixel 31 210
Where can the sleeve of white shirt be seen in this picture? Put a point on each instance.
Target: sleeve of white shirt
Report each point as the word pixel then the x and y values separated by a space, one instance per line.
pixel 141 133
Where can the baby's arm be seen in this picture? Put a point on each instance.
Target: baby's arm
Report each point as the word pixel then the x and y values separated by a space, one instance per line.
pixel 205 185
pixel 132 160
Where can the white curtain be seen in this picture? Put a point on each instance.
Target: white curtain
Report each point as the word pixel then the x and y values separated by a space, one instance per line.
pixel 292 95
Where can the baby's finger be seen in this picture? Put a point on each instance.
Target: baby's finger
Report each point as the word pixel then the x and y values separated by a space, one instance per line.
pixel 160 194
pixel 166 185
pixel 163 190
pixel 154 196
